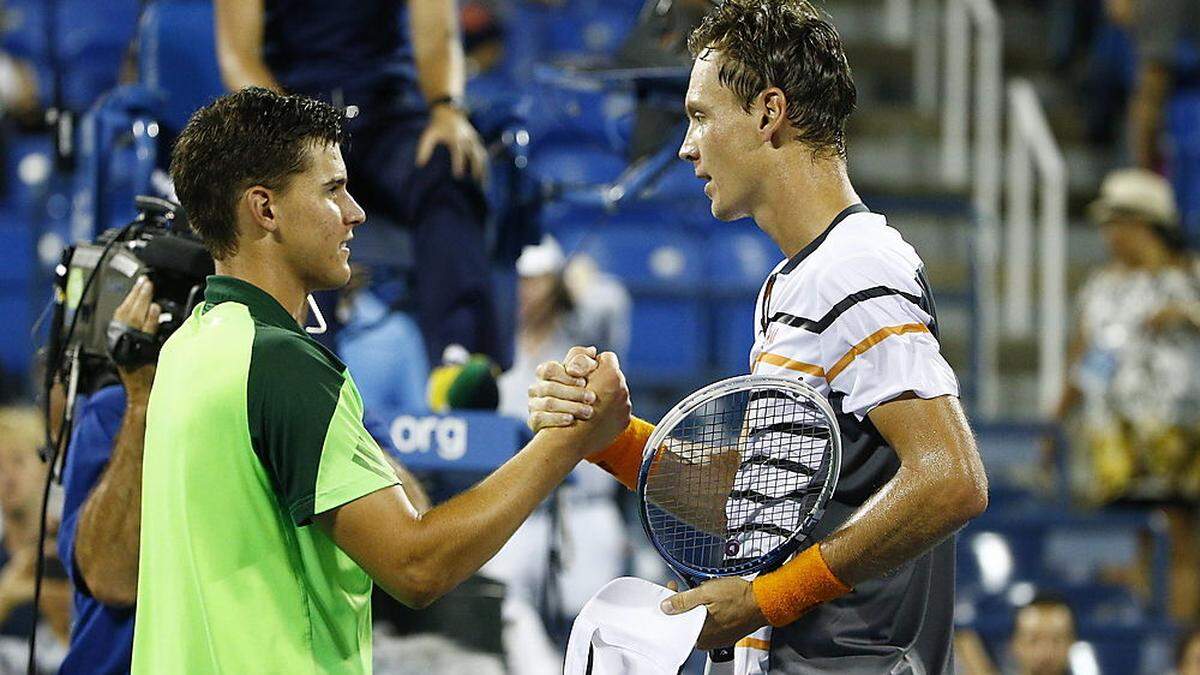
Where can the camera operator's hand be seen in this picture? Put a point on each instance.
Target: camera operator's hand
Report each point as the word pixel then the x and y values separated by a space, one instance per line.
pixel 138 311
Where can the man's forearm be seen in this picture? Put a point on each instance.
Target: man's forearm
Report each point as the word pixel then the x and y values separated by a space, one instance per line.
pixel 428 555
pixel 437 48
pixel 239 26
pixel 916 509
pixel 1146 113
pixel 473 526
pixel 106 541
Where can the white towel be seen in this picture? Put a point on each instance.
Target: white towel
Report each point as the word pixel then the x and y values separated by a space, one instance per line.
pixel 626 633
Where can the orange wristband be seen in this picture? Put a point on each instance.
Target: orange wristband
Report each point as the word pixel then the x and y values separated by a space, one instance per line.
pixel 803 583
pixel 623 457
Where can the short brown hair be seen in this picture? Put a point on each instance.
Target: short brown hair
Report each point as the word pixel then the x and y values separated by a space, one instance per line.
pixel 786 44
pixel 251 137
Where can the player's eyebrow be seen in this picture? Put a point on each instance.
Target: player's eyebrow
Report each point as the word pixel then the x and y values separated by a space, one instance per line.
pixel 691 107
pixel 336 181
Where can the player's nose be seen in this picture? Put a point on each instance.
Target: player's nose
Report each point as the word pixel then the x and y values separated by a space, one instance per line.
pixel 353 214
pixel 687 150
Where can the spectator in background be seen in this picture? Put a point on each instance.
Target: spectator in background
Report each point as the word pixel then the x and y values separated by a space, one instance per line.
pixel 415 158
pixel 562 303
pixel 1135 365
pixel 1043 633
pixel 1187 653
pixel 1164 111
pixel 22 476
pixel 384 346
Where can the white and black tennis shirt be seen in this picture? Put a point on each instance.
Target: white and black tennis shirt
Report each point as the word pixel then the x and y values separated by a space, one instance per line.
pixel 853 316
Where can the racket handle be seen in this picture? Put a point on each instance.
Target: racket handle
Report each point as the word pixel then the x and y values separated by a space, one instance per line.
pixel 720 662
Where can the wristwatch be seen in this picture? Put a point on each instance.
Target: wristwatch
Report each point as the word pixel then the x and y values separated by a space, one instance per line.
pixel 448 100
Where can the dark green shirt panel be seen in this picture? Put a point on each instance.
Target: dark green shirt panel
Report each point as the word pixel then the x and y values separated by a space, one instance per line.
pixel 292 395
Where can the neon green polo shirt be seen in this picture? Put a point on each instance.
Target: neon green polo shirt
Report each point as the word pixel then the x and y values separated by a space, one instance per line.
pixel 252 428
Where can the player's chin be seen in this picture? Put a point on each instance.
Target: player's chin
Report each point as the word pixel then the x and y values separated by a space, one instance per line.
pixel 337 277
pixel 724 213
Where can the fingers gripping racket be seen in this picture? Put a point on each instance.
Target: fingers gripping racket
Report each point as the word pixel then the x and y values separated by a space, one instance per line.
pixel 735 479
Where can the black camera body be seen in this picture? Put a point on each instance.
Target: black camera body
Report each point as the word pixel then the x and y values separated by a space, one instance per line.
pixel 94 278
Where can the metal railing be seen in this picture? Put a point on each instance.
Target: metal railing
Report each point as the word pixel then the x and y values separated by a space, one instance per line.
pixel 971 109
pixel 1032 151
pixel 976 161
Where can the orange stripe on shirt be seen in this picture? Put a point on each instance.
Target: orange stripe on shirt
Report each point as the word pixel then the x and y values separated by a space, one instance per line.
pixel 790 364
pixel 870 341
pixel 754 643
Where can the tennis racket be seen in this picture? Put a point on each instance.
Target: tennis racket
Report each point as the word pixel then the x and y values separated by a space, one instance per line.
pixel 735 479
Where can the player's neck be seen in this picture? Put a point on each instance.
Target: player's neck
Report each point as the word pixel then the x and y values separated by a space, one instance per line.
pixel 801 199
pixel 272 278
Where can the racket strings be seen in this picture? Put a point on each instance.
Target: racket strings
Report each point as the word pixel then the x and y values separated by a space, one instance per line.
pixel 737 477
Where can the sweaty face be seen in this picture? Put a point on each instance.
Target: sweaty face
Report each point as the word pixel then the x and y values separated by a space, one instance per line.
pixel 722 141
pixel 1042 640
pixel 317 217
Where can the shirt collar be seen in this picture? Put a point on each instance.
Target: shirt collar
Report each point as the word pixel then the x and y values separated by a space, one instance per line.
pixel 812 245
pixel 220 288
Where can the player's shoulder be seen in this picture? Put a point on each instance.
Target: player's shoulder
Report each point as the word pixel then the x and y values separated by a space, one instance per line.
pixel 862 252
pixel 287 356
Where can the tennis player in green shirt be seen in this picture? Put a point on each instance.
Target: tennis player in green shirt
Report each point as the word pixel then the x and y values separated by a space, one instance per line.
pixel 267 509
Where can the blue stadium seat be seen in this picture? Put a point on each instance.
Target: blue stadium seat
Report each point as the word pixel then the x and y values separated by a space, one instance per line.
pixel 662 267
pixel 587 28
pixel 741 256
pixel 17 297
pixel 732 321
pixel 559 106
pixel 118 152
pixel 660 260
pixel 91 37
pixel 669 339
pixel 28 163
pixel 179 57
pixel 738 259
pixel 581 31
pixel 569 165
pixel 677 182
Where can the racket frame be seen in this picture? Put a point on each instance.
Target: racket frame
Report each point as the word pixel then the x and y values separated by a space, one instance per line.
pixel 691 575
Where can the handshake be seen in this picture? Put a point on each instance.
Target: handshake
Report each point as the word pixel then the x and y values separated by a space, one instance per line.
pixel 583 397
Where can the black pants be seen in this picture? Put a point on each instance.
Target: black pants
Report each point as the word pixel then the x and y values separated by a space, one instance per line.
pixel 452 294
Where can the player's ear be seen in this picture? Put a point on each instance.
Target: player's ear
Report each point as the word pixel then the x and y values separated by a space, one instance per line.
pixel 772 114
pixel 259 201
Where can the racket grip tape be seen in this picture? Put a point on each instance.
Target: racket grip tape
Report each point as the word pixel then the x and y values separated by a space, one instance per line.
pixel 623 457
pixel 803 583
